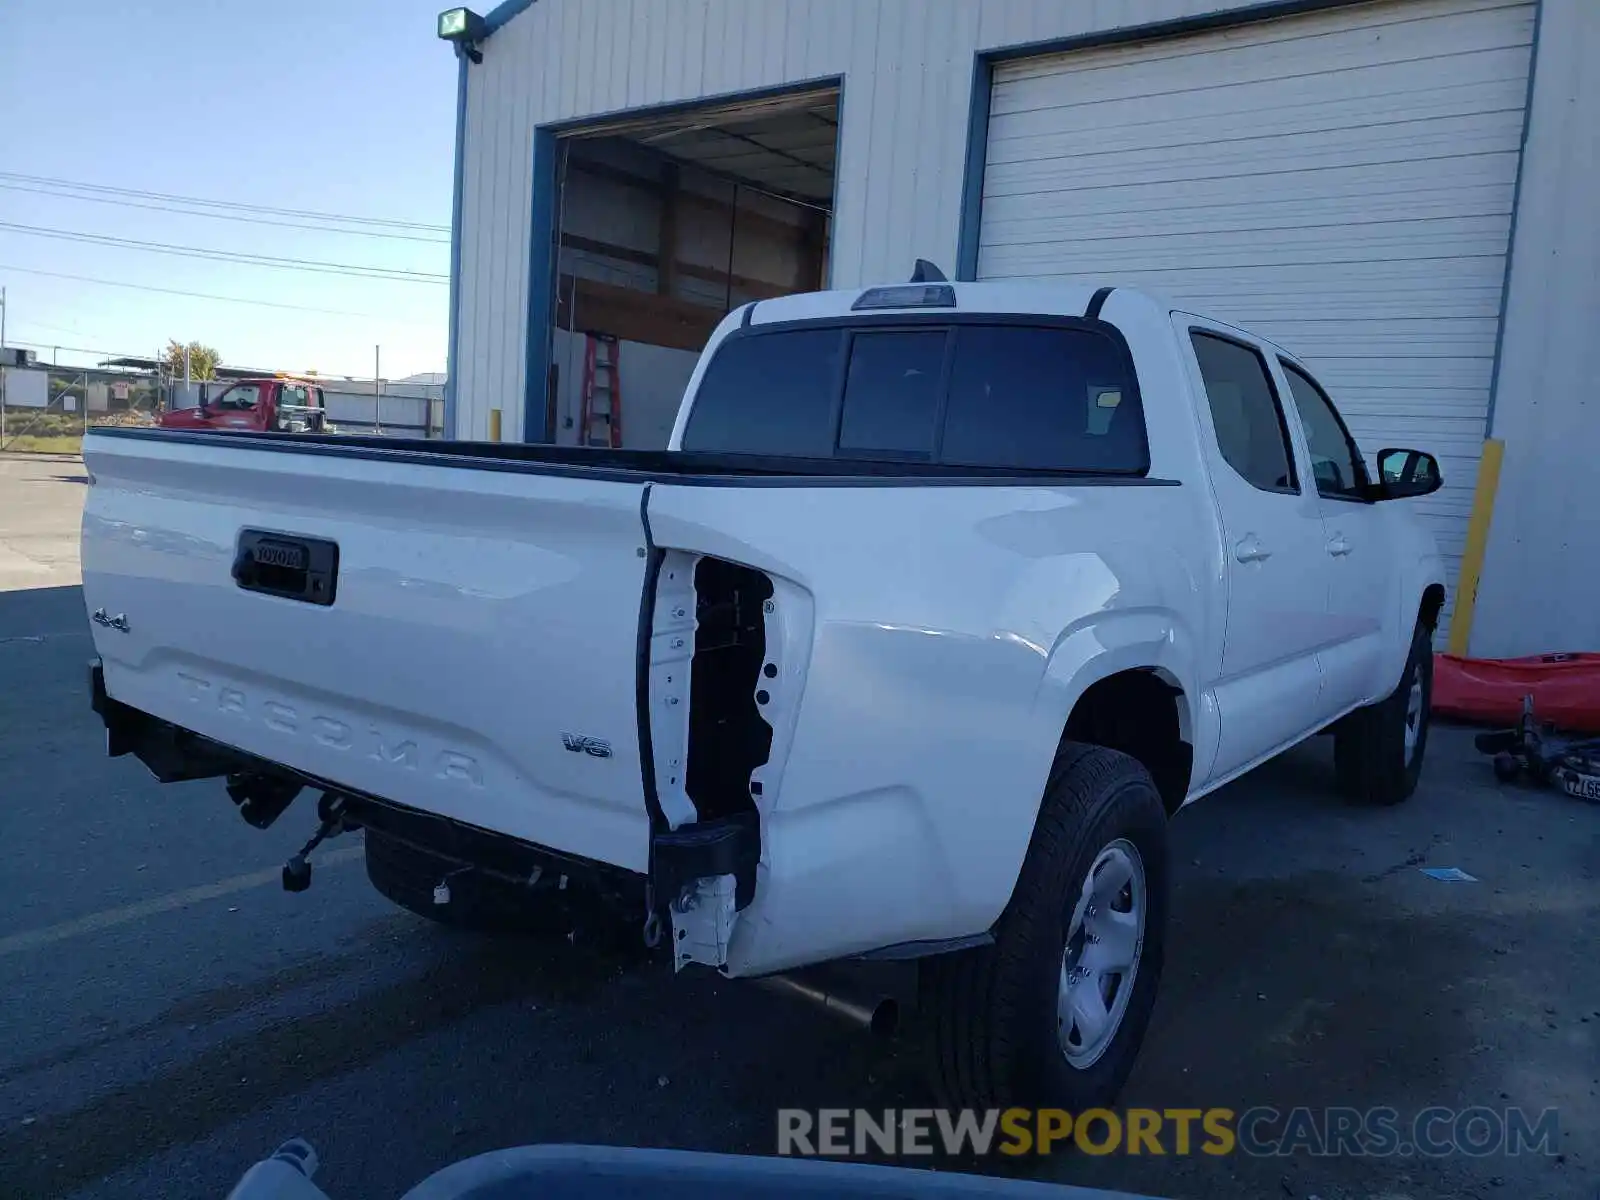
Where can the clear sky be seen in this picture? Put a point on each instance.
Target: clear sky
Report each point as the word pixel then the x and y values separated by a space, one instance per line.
pixel 338 106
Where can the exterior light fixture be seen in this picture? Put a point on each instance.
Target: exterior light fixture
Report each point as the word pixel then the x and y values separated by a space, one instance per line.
pixel 465 28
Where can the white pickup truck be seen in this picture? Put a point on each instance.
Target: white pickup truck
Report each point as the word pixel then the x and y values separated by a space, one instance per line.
pixel 942 600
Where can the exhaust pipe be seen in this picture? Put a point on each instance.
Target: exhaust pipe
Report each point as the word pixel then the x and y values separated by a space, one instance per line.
pixel 879 1015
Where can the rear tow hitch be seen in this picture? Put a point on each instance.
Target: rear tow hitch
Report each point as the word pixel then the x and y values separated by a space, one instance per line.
pixel 261 798
pixel 297 871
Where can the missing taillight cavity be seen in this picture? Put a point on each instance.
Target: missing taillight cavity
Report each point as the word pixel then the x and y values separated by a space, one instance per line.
pixel 728 736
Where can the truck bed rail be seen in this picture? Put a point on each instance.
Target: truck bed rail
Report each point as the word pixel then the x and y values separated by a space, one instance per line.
pixel 640 466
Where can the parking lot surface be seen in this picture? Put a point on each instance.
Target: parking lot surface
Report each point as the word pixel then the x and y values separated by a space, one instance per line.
pixel 168 1015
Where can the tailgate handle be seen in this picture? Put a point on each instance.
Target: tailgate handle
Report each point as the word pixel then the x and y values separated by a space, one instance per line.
pixel 287 565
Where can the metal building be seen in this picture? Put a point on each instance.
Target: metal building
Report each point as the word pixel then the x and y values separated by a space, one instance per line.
pixel 1400 191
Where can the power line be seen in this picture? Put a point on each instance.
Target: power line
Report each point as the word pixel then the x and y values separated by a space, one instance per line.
pixel 144 287
pixel 225 216
pixel 230 204
pixel 69 350
pixel 33 324
pixel 320 266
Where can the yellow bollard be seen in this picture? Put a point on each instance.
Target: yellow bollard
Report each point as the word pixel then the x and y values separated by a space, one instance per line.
pixel 494 424
pixel 1477 545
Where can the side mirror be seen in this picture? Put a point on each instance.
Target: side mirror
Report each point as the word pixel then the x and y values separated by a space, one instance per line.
pixel 1406 473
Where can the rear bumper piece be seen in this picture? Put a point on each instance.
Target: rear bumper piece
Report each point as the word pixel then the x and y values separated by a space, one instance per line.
pixel 174 754
pixel 841 890
pixel 497 855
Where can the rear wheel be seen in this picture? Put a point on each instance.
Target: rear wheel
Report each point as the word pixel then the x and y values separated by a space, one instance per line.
pixel 1378 750
pixel 1053 1013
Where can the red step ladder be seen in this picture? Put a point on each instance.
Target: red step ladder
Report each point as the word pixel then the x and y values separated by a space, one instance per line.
pixel 600 423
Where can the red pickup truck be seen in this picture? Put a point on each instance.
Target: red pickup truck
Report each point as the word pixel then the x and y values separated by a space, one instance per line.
pixel 279 405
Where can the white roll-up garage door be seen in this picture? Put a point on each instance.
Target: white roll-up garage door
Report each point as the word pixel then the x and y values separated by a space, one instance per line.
pixel 1341 183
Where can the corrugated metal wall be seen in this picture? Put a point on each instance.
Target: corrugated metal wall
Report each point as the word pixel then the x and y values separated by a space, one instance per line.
pixel 907 66
pixel 1340 182
pixel 1540 588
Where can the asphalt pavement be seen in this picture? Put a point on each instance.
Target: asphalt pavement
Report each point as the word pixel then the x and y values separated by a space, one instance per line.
pixel 168 1015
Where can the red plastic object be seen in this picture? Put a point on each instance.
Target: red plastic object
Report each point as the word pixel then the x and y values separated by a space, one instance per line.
pixel 1565 688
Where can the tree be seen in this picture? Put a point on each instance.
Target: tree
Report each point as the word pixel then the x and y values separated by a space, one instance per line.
pixel 203 360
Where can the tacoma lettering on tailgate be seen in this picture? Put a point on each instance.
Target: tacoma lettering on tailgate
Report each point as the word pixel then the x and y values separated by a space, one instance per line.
pixel 334 734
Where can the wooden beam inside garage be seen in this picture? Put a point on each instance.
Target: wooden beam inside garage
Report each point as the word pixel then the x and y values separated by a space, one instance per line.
pixel 761 289
pixel 588 306
pixel 748 220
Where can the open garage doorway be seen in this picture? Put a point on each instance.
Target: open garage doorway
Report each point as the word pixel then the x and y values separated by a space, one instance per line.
pixel 663 225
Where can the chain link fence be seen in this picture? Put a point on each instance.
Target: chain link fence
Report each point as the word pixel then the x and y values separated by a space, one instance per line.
pixel 47 409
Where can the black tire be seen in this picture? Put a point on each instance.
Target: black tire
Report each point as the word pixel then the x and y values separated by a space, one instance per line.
pixel 407 875
pixel 1506 767
pixel 990 1014
pixel 1369 746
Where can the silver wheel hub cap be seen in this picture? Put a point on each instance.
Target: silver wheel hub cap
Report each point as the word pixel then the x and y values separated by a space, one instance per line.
pixel 1414 719
pixel 1105 937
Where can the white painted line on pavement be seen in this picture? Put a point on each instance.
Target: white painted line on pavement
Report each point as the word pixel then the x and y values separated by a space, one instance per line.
pixel 33 939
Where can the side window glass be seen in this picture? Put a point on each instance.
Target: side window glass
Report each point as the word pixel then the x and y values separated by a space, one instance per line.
pixel 1251 433
pixel 291 403
pixel 1335 461
pixel 240 398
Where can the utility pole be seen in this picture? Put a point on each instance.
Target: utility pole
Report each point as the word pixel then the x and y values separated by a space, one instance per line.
pixel 4 370
pixel 377 389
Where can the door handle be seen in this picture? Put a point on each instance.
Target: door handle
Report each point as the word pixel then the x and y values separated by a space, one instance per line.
pixel 1250 550
pixel 1338 545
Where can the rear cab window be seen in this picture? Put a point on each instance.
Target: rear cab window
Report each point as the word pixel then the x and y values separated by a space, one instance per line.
pixel 1026 394
pixel 768 394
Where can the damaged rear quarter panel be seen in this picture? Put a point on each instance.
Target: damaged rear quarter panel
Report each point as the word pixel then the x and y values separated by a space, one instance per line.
pixel 927 710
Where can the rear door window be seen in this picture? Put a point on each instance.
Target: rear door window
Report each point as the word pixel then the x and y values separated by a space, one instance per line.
pixel 1251 431
pixel 1004 395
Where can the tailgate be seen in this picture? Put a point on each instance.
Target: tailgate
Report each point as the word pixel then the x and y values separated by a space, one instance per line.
pixel 479 659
